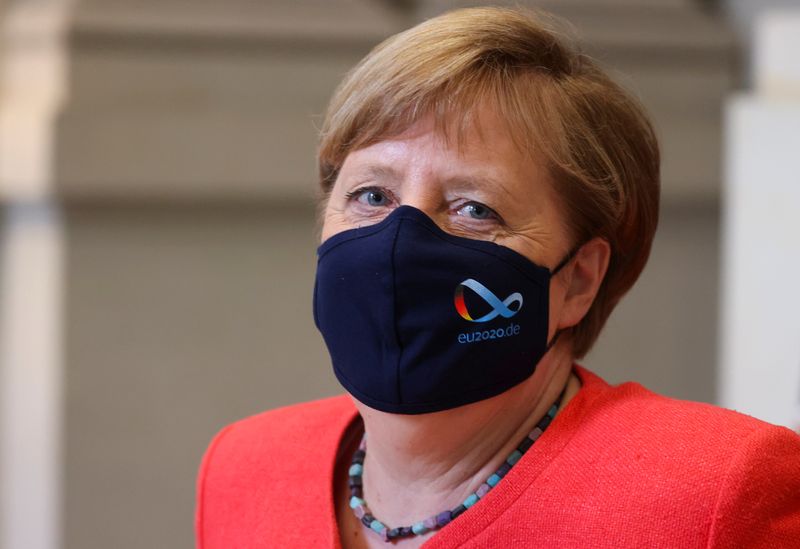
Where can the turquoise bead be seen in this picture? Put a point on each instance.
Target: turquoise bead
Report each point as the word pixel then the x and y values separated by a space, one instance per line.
pixel 355 502
pixel 471 500
pixel 361 511
pixel 419 528
pixel 355 470
pixel 513 458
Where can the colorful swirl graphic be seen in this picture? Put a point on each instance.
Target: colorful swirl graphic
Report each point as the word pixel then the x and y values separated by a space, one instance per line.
pixel 499 308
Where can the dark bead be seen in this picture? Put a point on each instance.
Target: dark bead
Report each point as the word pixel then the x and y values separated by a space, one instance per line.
pixel 457 511
pixel 394 533
pixel 367 519
pixel 545 422
pixel 357 491
pixel 443 518
pixel 358 457
pixel 525 445
pixel 503 470
pixel 406 531
pixel 355 481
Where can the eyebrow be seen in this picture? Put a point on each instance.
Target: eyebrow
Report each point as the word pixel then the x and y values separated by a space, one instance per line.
pixel 481 181
pixel 377 172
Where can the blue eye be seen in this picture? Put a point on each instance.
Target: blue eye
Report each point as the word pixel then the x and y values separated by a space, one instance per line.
pixel 372 197
pixel 476 211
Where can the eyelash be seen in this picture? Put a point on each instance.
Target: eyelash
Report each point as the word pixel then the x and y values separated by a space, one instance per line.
pixel 361 190
pixel 355 193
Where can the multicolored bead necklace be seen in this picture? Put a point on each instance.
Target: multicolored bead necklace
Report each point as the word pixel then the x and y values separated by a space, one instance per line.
pixel 359 506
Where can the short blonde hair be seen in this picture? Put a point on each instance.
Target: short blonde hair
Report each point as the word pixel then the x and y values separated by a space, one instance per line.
pixel 599 146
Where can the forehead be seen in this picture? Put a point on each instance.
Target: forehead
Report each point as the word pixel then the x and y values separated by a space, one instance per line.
pixel 478 142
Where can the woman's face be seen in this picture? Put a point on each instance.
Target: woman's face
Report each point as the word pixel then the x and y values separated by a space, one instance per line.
pixel 484 189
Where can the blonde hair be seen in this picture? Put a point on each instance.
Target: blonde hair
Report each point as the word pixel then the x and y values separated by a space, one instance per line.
pixel 598 145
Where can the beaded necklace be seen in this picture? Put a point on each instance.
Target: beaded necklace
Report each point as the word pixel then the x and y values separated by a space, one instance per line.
pixel 361 510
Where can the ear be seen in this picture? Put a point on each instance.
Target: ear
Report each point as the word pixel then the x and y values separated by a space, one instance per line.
pixel 580 280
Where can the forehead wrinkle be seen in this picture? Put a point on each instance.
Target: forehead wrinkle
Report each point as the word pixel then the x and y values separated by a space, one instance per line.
pixel 375 171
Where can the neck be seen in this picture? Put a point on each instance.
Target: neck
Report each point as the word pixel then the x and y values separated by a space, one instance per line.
pixel 418 466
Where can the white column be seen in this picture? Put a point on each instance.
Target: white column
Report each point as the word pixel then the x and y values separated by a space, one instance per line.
pixel 30 380
pixel 32 77
pixel 760 332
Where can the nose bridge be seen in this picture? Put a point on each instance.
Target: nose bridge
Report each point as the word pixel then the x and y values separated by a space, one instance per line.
pixel 423 192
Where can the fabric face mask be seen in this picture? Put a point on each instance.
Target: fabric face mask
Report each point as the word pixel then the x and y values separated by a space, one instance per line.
pixel 417 320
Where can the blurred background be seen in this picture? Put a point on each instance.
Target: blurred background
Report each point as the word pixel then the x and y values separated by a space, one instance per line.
pixel 157 179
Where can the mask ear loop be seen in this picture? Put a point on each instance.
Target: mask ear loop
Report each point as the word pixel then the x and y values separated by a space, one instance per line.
pixel 553 340
pixel 567 258
pixel 563 263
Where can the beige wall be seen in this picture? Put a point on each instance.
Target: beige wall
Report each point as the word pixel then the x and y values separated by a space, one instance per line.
pixel 184 164
pixel 664 332
pixel 179 319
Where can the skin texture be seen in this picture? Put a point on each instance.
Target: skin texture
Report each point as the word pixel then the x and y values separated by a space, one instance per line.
pixel 480 187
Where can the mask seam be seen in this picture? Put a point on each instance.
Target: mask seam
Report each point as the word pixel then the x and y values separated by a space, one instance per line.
pixel 488 252
pixel 394 315
pixel 363 397
pixel 477 246
pixel 449 238
pixel 363 233
pixel 314 301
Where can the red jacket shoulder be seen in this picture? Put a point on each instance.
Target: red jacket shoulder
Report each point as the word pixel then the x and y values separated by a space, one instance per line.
pixel 265 437
pixel 254 467
pixel 678 426
pixel 714 477
pixel 293 423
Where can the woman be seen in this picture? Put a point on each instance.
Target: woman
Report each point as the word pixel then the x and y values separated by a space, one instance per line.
pixel 490 195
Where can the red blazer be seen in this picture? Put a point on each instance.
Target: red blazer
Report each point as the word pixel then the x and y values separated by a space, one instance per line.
pixel 619 467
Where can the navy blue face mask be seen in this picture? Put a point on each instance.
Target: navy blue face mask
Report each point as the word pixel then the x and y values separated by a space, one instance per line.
pixel 417 320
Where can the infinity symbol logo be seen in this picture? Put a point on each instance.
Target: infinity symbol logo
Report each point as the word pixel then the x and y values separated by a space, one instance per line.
pixel 499 308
